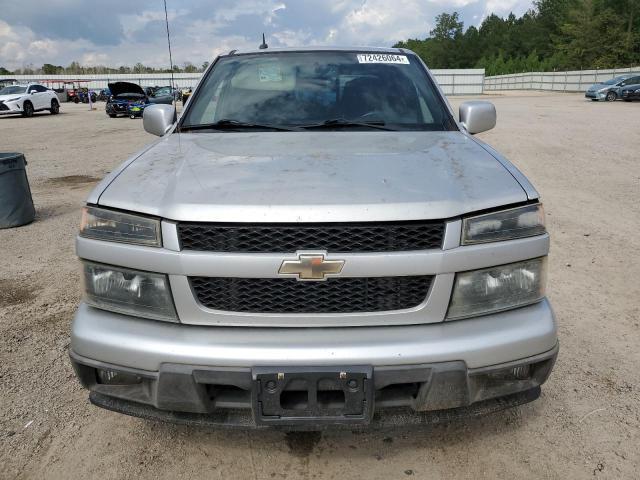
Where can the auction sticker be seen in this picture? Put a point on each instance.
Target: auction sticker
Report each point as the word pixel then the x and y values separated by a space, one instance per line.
pixel 382 58
pixel 269 73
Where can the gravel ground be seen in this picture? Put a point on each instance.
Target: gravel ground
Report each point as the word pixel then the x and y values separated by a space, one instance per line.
pixel 582 156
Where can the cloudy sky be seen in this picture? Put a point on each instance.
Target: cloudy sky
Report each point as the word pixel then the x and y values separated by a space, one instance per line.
pixel 123 32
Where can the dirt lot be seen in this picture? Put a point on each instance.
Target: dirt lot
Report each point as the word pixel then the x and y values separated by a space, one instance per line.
pixel 585 160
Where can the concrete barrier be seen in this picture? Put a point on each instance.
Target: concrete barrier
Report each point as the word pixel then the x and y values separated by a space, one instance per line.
pixel 570 81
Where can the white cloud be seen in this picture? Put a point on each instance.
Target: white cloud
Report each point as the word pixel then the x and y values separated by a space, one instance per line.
pixel 201 29
pixel 292 38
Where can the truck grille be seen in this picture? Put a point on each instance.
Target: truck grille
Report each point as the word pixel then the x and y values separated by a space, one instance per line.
pixel 287 295
pixel 334 237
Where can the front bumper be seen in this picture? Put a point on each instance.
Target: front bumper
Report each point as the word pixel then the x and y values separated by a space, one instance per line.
pixel 9 108
pixel 596 95
pixel 205 375
pixel 116 108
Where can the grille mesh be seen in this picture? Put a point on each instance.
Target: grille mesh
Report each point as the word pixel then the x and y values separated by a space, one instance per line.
pixel 287 295
pixel 335 237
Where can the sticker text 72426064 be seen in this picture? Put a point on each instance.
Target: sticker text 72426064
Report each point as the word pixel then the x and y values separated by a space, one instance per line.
pixel 382 58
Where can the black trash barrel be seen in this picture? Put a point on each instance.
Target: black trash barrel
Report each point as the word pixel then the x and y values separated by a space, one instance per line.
pixel 16 204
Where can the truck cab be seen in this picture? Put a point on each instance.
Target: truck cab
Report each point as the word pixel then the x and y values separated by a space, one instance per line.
pixel 317 241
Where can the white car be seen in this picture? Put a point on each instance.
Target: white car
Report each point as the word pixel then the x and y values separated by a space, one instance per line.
pixel 27 99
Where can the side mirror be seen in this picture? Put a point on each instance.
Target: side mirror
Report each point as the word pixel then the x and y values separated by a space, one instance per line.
pixel 31 92
pixel 158 119
pixel 477 116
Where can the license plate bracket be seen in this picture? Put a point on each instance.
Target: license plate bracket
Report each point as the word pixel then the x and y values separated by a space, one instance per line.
pixel 313 395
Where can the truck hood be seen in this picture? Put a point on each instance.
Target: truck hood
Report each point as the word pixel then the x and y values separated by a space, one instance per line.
pixel 312 177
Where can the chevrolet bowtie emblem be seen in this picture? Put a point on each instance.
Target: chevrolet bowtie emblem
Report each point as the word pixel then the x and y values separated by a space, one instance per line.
pixel 311 267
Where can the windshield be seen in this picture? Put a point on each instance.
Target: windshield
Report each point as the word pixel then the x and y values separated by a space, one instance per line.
pixel 13 89
pixel 163 91
pixel 613 81
pixel 300 89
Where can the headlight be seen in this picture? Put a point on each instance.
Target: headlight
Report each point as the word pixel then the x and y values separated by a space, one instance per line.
pixel 516 222
pixel 12 99
pixel 498 288
pixel 115 226
pixel 142 294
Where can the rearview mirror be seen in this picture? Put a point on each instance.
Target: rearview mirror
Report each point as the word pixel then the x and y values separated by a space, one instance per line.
pixel 477 116
pixel 158 119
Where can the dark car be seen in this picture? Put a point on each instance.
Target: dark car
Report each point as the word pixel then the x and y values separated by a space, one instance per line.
pixel 122 95
pixel 104 95
pixel 83 95
pixel 631 92
pixel 163 95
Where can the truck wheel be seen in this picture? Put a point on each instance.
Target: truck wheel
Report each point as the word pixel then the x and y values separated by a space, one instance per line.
pixel 27 109
pixel 611 97
pixel 55 107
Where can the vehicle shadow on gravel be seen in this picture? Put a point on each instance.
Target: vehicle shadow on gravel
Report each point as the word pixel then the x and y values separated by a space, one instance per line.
pixel 35 115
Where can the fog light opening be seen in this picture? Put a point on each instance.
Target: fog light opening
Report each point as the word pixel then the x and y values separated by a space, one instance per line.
pixel 522 372
pixel 113 377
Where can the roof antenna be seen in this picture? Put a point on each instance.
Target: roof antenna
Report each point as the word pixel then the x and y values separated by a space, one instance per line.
pixel 264 43
pixel 166 21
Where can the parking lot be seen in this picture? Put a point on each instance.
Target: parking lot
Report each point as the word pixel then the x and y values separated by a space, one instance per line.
pixel 583 157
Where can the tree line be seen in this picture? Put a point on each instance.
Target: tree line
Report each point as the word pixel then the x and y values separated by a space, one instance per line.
pixel 552 35
pixel 75 68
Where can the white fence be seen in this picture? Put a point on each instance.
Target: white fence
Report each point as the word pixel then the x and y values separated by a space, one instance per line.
pixel 101 80
pixel 463 81
pixel 453 82
pixel 573 81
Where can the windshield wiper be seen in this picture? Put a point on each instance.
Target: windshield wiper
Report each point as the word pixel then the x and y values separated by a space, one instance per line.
pixel 343 122
pixel 229 124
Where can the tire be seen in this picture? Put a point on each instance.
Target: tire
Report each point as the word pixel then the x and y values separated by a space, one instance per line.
pixel 76 100
pixel 55 107
pixel 27 109
pixel 132 116
pixel 611 97
pixel 112 115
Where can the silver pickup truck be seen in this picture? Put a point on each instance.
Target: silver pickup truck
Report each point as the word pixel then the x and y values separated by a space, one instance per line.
pixel 316 242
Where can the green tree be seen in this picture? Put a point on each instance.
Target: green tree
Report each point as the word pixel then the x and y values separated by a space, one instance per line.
pixel 189 68
pixel 49 69
pixel 448 27
pixel 587 23
pixel 555 34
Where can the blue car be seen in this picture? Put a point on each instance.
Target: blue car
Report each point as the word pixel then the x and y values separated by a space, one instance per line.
pixel 124 94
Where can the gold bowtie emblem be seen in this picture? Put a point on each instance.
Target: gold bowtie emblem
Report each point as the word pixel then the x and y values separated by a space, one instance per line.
pixel 311 267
